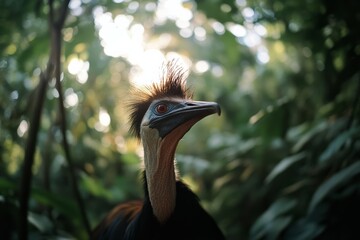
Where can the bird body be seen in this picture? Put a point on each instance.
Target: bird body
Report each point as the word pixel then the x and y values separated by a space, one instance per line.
pixel 160 117
pixel 135 220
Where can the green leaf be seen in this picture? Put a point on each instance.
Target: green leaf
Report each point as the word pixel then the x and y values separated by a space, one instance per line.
pixel 309 135
pixel 283 165
pixel 337 143
pixel 272 121
pixel 332 183
pixel 61 203
pixel 6 185
pixel 130 158
pixel 277 226
pixel 95 187
pixel 271 222
pixel 41 222
pixel 303 229
pixel 211 9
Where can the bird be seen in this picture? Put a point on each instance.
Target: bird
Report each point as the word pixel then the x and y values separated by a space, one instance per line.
pixel 160 115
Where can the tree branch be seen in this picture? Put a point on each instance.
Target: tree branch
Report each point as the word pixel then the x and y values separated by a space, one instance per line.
pixel 63 127
pixel 26 176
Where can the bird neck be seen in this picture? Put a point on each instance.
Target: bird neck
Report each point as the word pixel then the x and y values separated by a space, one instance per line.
pixel 160 173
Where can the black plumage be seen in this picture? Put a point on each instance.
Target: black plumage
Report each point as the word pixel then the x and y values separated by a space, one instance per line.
pixel 136 221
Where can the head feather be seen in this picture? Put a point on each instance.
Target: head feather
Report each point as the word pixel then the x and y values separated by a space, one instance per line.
pixel 172 84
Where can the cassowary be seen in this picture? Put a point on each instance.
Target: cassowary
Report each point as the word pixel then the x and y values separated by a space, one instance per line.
pixel 160 116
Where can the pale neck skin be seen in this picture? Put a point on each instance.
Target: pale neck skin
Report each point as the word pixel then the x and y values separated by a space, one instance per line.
pixel 160 170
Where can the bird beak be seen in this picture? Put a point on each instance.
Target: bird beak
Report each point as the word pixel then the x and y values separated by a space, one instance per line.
pixel 185 114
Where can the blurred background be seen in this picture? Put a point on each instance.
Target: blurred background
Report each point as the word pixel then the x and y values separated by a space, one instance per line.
pixel 282 161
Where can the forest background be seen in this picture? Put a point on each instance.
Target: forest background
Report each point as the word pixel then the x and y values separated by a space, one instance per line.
pixel 282 162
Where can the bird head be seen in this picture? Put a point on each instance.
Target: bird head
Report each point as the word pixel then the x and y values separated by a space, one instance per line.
pixel 167 106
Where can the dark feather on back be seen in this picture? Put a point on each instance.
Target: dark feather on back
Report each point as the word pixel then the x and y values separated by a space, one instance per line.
pixel 135 220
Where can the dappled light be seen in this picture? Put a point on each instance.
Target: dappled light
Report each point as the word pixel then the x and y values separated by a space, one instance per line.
pixel 237 29
pixel 201 66
pixel 23 128
pixel 104 121
pixel 80 69
pixel 174 10
pixel 71 98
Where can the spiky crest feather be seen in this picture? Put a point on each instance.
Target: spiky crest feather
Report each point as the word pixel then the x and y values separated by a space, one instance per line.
pixel 172 84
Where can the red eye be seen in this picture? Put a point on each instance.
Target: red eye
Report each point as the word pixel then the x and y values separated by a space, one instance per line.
pixel 161 108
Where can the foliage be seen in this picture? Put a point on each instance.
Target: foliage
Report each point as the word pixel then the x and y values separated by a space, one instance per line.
pixel 282 162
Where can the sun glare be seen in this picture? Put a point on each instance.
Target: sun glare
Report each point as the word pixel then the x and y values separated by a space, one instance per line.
pixel 79 68
pixel 22 129
pixel 103 123
pixel 121 36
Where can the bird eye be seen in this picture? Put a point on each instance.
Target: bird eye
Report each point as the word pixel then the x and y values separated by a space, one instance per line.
pixel 161 108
